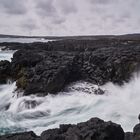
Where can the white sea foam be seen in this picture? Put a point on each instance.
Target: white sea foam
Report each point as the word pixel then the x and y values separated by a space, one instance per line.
pixel 119 104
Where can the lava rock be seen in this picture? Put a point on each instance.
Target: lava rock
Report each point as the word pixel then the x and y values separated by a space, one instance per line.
pixel 40 71
pixel 42 68
pixel 4 71
pixel 94 129
pixel 49 72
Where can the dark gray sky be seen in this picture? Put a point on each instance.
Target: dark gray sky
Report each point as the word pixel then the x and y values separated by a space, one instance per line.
pixel 69 17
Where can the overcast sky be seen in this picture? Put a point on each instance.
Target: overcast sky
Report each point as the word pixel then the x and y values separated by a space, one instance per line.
pixel 69 17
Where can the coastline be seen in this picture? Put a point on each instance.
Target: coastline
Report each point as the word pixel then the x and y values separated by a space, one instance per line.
pixel 96 61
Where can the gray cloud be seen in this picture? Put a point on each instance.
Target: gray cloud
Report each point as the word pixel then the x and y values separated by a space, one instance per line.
pixel 14 7
pixel 69 17
pixel 67 7
pixel 59 20
pixel 45 8
pixel 101 1
pixel 29 25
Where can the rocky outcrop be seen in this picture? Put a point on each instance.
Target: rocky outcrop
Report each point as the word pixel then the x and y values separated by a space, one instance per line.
pixel 110 64
pixel 94 129
pixel 43 72
pixel 42 68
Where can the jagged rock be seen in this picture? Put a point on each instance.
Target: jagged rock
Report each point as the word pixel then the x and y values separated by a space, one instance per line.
pixel 46 72
pixel 42 68
pixel 49 72
pixel 4 71
pixel 94 129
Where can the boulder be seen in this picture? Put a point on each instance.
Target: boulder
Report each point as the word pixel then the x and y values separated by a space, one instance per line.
pixel 94 129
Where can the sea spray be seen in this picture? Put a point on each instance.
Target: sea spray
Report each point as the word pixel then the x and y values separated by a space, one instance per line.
pixel 118 104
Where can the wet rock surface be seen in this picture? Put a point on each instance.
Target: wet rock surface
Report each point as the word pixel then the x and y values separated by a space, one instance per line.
pixel 94 129
pixel 49 72
pixel 5 69
pixel 42 68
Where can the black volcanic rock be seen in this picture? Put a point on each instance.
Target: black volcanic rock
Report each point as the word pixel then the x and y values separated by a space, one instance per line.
pixel 41 71
pixel 94 129
pixel 110 64
pixel 42 68
pixel 5 67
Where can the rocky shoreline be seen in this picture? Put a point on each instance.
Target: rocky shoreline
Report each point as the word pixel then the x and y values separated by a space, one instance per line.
pixel 93 129
pixel 42 68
